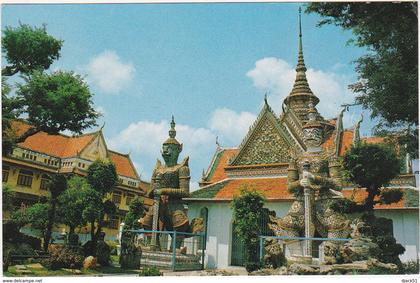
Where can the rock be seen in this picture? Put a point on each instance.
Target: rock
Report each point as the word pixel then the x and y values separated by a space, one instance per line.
pixel 373 262
pixel 302 269
pixel 360 266
pixel 75 271
pixel 358 249
pixel 282 271
pixel 325 269
pixel 89 262
pixel 35 266
pixel 20 267
pixel 23 271
pixel 182 251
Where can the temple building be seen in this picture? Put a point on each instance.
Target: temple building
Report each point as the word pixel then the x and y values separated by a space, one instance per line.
pixel 28 168
pixel 262 162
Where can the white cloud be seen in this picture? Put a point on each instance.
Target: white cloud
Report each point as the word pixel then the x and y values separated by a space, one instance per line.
pixel 277 77
pixel 144 139
pixel 230 126
pixel 109 73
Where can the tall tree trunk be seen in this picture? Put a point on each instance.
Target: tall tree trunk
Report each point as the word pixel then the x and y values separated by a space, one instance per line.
pixel 369 201
pixel 48 232
pixel 93 238
pixel 100 224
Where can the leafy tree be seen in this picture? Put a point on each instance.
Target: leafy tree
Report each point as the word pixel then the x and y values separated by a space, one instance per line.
pixel 56 102
pixel 29 48
pixel 102 177
pixel 388 73
pixel 37 216
pixel 247 208
pixel 372 166
pixel 57 186
pixel 135 212
pixel 7 196
pixel 51 102
pixel 73 202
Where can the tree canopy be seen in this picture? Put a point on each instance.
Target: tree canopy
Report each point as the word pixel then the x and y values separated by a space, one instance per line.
pixel 57 102
pixel 247 214
pixel 29 48
pixel 49 102
pixel 135 212
pixel 372 166
pixel 388 72
pixel 102 176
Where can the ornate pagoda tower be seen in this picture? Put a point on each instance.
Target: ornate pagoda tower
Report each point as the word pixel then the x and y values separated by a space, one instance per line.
pixel 301 95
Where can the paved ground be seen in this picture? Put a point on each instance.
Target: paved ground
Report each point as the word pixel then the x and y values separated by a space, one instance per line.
pixel 230 271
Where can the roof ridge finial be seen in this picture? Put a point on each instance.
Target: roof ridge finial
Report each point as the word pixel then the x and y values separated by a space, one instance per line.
pixel 301 63
pixel 265 98
pixel 172 131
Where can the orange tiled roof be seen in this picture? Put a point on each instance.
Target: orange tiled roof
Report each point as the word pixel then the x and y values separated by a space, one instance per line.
pixel 219 171
pixel 64 146
pixel 271 188
pixel 56 145
pixel 274 189
pixel 122 164
pixel 358 195
pixel 346 141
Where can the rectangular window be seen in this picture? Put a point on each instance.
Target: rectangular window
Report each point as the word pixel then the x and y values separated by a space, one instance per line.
pixel 129 199
pixel 116 197
pixel 5 173
pixel 45 182
pixel 25 178
pixel 114 222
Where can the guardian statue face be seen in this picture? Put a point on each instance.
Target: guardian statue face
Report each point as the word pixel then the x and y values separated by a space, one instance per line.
pixel 312 137
pixel 170 153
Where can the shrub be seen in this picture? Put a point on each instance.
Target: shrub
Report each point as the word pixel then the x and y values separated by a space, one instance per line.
pixel 64 258
pixel 410 267
pixel 113 246
pixel 103 253
pixel 150 271
pixel 247 208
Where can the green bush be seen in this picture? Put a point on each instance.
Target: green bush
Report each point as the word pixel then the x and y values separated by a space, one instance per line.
pixel 64 257
pixel 252 266
pixel 150 271
pixel 103 253
pixel 113 246
pixel 410 267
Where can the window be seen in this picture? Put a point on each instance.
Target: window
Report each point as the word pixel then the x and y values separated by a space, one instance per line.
pixel 116 197
pixel 114 222
pixel 45 182
pixel 25 178
pixel 129 199
pixel 5 173
pixel 131 183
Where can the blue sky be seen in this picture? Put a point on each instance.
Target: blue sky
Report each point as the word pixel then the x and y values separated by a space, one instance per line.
pixel 207 64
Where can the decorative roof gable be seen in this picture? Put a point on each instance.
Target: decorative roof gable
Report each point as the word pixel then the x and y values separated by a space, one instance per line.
pixel 267 141
pixel 96 148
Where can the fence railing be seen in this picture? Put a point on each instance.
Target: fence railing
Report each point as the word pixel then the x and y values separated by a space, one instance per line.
pixel 171 250
pixel 293 247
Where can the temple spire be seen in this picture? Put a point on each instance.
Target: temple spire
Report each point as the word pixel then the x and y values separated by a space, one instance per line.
pixel 301 63
pixel 301 94
pixel 172 131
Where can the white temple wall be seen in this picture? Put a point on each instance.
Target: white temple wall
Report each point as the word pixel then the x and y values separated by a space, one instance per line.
pixel 219 229
pixel 406 230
